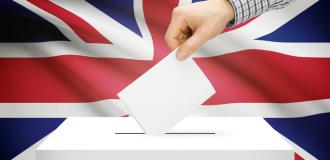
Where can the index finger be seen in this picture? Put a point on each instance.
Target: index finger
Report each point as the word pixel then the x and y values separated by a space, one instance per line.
pixel 177 25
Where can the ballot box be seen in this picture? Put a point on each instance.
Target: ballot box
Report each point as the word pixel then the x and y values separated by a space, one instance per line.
pixel 194 138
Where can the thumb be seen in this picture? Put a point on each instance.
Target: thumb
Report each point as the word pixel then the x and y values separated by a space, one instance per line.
pixel 191 45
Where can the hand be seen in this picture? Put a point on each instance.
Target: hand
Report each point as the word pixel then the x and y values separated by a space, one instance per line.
pixel 193 25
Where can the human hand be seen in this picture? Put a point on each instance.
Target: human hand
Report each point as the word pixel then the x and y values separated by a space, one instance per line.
pixel 193 25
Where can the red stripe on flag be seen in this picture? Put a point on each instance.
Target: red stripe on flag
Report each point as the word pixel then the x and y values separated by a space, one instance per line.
pixel 66 78
pixel 158 26
pixel 83 29
pixel 298 157
pixel 265 76
pixel 246 76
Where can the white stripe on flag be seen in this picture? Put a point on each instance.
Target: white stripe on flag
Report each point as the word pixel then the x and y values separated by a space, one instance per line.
pixel 267 110
pixel 114 108
pixel 104 108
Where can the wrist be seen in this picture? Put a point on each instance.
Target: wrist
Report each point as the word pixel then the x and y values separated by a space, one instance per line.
pixel 226 9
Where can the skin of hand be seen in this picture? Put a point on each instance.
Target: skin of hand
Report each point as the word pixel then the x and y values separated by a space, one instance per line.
pixel 193 25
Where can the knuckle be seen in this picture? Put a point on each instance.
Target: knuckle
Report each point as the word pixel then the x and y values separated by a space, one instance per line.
pixel 205 32
pixel 177 12
pixel 167 35
pixel 167 38
pixel 189 47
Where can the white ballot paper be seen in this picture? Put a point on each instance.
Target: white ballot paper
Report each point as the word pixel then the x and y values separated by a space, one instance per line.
pixel 166 93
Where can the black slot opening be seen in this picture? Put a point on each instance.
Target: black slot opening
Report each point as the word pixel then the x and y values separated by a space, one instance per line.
pixel 169 133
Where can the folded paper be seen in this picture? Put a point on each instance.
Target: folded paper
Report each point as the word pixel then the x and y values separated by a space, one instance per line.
pixel 166 93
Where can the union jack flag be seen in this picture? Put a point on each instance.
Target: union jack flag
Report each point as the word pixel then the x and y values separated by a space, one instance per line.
pixel 70 58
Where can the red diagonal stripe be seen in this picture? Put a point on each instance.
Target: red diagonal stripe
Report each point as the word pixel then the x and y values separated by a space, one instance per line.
pixel 298 157
pixel 83 29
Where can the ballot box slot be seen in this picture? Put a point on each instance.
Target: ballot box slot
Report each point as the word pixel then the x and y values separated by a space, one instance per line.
pixel 170 133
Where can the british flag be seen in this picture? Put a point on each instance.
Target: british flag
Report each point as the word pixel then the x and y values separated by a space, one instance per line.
pixel 70 58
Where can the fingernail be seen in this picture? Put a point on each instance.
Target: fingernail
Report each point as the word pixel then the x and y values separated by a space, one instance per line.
pixel 181 56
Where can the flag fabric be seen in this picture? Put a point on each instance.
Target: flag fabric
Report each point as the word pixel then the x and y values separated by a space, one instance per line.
pixel 70 58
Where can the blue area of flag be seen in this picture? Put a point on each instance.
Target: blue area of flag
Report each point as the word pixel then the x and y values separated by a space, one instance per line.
pixel 313 25
pixel 22 25
pixel 18 134
pixel 311 133
pixel 120 10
